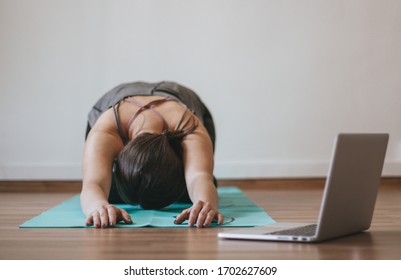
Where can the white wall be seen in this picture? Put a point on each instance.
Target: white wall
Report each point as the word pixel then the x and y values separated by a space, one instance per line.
pixel 281 78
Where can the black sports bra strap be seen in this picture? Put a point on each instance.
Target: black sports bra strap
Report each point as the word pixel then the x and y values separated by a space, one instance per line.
pixel 118 124
pixel 182 119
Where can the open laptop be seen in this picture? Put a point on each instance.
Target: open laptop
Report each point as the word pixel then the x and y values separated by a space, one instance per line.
pixel 348 199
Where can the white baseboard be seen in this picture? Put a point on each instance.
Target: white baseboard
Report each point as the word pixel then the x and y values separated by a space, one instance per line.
pixel 67 171
pixel 286 169
pixel 223 170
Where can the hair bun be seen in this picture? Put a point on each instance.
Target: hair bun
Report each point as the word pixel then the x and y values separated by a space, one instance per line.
pixel 173 136
pixel 167 133
pixel 170 135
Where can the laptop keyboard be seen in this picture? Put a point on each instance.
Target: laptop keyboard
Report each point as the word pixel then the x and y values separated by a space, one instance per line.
pixel 308 230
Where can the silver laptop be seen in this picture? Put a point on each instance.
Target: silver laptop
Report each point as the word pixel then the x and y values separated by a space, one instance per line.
pixel 348 199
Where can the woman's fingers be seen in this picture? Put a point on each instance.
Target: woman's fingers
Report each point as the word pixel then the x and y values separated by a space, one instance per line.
pixel 193 215
pixel 107 216
pixel 201 214
pixel 112 215
pixel 125 216
pixel 209 218
pixel 220 218
pixel 183 216
pixel 96 219
pixel 89 220
pixel 104 216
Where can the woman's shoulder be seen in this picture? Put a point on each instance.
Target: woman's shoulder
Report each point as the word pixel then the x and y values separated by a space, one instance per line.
pixel 106 122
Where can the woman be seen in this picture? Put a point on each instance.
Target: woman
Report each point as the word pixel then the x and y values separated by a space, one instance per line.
pixel 152 145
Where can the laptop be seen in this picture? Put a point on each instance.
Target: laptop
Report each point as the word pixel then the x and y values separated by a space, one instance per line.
pixel 349 195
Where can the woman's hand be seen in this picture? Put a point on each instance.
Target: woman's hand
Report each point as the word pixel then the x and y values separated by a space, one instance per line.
pixel 107 216
pixel 201 213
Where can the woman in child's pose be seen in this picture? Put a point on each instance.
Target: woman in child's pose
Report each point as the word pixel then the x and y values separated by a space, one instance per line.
pixel 152 145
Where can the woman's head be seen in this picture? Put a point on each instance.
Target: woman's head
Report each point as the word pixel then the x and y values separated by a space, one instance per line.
pixel 150 170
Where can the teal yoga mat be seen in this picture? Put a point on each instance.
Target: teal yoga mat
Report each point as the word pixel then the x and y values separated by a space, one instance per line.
pixel 237 208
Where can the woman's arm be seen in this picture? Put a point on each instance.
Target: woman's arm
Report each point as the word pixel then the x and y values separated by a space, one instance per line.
pixel 199 164
pixel 101 148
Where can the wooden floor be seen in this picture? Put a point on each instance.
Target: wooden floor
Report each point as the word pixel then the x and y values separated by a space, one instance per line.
pixel 284 200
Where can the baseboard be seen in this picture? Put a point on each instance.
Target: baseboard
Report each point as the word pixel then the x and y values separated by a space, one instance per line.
pixel 223 170
pixel 286 169
pixel 66 171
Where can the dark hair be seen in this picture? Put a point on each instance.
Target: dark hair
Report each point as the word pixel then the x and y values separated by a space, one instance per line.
pixel 150 169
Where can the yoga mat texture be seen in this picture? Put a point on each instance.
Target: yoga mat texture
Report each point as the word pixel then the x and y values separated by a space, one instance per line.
pixel 237 208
